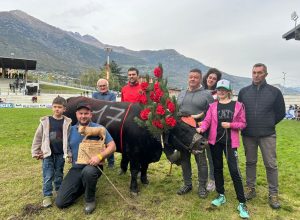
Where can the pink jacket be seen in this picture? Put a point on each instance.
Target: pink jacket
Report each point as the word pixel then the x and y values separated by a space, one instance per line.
pixel 211 122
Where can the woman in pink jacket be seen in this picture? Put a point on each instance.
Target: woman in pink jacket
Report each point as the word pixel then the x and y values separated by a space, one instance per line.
pixel 224 119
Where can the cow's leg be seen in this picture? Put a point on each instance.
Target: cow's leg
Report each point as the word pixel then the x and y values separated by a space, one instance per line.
pixel 144 168
pixel 124 163
pixel 134 169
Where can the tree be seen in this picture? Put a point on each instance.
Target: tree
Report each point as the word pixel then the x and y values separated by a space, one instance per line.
pixel 89 78
pixel 117 79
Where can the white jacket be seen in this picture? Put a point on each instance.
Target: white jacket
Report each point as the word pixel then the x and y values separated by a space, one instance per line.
pixel 41 141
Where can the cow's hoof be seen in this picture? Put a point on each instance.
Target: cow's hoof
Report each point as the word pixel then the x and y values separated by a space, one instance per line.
pixel 134 194
pixel 122 172
pixel 144 180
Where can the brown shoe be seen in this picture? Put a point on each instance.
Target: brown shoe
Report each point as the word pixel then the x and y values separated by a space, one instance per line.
pixel 274 201
pixel 250 193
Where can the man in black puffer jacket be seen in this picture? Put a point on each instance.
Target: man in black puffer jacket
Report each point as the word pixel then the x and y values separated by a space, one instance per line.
pixel 265 107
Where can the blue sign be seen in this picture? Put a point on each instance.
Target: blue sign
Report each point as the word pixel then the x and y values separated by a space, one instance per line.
pixel 7 105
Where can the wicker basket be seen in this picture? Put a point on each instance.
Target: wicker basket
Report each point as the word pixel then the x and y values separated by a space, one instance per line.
pixel 88 149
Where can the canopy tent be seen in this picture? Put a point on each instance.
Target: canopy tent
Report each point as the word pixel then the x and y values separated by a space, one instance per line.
pixel 14 63
pixel 293 34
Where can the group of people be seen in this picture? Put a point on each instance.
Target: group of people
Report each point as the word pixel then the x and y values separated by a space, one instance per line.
pixel 258 109
pixel 56 140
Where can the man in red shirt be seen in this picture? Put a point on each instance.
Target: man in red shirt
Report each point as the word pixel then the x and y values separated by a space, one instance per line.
pixel 130 93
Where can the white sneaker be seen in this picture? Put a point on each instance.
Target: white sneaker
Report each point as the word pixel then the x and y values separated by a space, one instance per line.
pixel 211 186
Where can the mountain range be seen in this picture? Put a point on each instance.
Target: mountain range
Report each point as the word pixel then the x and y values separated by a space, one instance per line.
pixel 61 51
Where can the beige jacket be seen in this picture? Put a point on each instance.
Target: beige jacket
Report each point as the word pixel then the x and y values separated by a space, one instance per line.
pixel 41 141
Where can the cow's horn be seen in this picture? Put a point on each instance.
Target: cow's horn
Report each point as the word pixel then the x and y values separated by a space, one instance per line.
pixel 198 116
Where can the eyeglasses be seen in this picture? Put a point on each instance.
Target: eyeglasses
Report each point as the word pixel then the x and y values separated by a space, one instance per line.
pixel 101 85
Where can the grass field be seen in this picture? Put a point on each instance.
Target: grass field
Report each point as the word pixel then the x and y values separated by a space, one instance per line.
pixel 59 89
pixel 21 182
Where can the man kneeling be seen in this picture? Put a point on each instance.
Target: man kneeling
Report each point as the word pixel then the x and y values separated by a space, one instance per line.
pixel 82 179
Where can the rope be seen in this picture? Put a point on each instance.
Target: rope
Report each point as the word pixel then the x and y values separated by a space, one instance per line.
pixel 120 194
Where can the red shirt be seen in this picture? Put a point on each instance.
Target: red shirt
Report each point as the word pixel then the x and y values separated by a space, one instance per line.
pixel 130 93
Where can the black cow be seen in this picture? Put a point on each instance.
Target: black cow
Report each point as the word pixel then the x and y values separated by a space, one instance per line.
pixel 140 147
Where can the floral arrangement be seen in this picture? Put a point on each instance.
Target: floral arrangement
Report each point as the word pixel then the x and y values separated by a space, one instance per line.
pixel 159 110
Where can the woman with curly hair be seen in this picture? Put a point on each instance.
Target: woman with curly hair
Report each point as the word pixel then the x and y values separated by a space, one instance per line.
pixel 209 82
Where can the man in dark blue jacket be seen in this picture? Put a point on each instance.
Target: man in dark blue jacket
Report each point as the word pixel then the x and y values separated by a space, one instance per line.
pixel 264 109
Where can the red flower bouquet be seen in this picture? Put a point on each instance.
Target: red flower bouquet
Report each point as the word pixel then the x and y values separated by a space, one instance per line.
pixel 159 110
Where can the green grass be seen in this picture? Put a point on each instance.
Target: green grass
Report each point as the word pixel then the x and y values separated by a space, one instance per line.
pixel 21 182
pixel 59 89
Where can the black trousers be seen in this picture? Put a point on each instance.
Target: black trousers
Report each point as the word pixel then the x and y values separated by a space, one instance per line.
pixel 78 181
pixel 231 155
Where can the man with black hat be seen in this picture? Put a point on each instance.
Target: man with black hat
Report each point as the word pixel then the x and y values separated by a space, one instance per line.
pixel 82 179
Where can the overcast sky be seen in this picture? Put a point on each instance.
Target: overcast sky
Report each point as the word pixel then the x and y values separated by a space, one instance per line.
pixel 230 35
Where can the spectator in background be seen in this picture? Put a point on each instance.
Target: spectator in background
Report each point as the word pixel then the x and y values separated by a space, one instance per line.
pixel 106 95
pixel 265 108
pixel 130 93
pixel 209 82
pixel 103 91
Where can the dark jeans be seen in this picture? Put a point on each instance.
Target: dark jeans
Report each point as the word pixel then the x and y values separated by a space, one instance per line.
pixel 187 168
pixel 78 181
pixel 232 161
pixel 53 170
pixel 111 160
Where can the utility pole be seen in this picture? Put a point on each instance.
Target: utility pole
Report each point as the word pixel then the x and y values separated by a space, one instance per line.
pixel 283 82
pixel 108 51
pixel 295 17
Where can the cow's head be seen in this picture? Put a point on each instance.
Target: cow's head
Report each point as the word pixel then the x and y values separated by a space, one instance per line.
pixel 184 136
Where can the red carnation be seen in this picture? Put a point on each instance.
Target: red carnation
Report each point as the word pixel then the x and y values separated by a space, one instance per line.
pixel 154 97
pixel 170 121
pixel 171 106
pixel 143 98
pixel 145 113
pixel 144 86
pixel 157 72
pixel 156 85
pixel 157 123
pixel 159 93
pixel 160 110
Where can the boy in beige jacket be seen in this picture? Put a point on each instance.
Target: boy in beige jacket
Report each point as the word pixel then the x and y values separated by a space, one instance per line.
pixel 50 144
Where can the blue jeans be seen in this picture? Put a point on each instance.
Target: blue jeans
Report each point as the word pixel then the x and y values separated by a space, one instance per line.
pixel 111 160
pixel 53 170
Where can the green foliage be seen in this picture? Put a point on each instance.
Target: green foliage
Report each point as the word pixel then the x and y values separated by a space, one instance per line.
pixel 90 78
pixel 116 79
pixel 21 182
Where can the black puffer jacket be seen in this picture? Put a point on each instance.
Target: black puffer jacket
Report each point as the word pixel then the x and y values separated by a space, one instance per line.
pixel 264 106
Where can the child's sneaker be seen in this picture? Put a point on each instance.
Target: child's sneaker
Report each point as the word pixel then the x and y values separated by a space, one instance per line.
pixel 220 200
pixel 242 208
pixel 47 201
